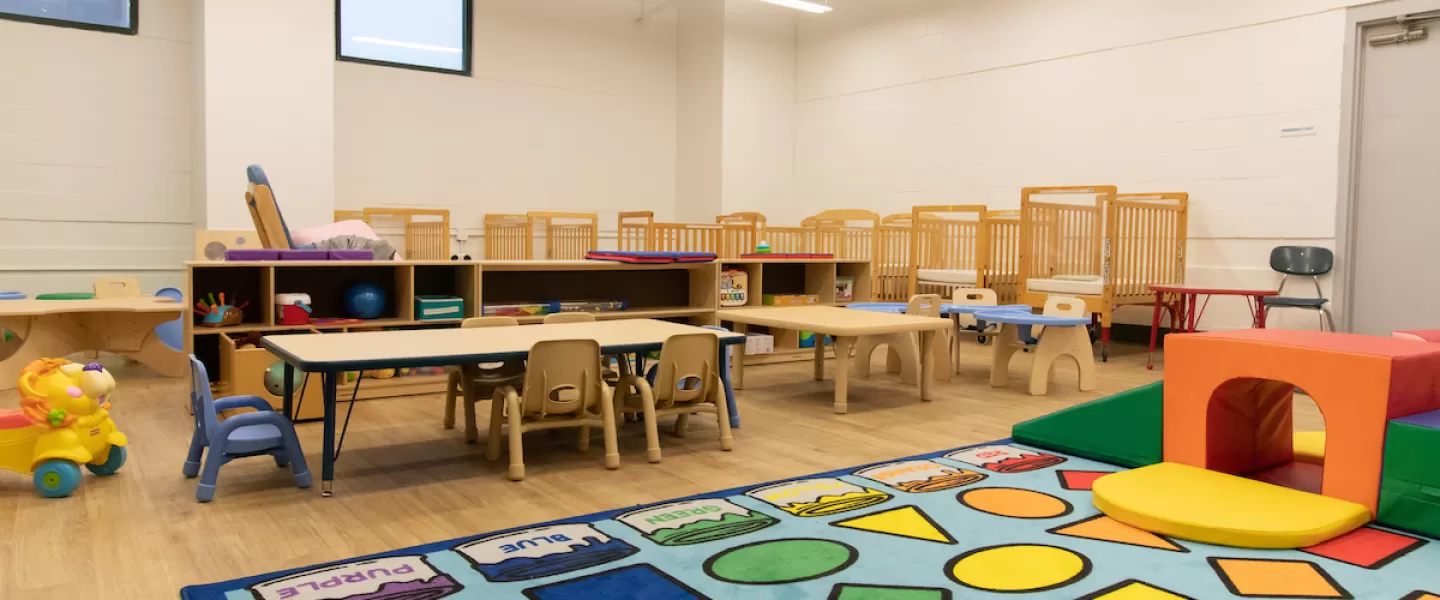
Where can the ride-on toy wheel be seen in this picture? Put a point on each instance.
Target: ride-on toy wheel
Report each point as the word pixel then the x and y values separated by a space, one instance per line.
pixel 112 462
pixel 57 478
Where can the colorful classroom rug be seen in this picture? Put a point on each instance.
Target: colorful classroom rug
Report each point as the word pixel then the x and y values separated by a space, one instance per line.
pixel 991 521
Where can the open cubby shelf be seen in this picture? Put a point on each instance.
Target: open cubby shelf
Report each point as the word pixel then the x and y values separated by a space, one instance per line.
pixel 683 292
pixel 816 277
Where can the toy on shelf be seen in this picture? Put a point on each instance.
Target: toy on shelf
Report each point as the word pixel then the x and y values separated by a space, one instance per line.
pixel 436 308
pixel 734 286
pixel 219 313
pixel 592 306
pixel 63 422
pixel 364 300
pixel 1217 457
pixel 789 299
pixel 293 309
pixel 275 379
pixel 520 309
pixel 844 289
pixel 762 248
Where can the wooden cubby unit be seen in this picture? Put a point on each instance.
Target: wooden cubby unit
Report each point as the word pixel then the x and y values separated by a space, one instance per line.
pixel 686 292
pixel 799 276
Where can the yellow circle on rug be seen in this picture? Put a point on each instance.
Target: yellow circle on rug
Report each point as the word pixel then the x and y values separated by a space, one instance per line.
pixel 1018 568
pixel 1013 502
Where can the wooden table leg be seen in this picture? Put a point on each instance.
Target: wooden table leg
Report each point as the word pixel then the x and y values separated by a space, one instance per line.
pixel 468 374
pixel 819 357
pixel 927 363
pixel 843 345
pixel 1007 343
pixel 738 380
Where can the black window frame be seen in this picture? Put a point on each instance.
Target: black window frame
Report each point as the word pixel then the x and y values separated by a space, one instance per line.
pixel 466 51
pixel 133 29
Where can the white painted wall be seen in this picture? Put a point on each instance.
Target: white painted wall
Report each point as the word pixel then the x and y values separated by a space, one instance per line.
pixel 700 110
pixel 758 145
pixel 905 102
pixel 269 99
pixel 95 158
pixel 572 107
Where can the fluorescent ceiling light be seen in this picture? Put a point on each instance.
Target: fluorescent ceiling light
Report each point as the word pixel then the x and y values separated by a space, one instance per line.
pixel 411 45
pixel 802 5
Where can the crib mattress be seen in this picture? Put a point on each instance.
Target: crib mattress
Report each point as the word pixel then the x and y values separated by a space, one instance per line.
pixel 1067 285
pixel 950 276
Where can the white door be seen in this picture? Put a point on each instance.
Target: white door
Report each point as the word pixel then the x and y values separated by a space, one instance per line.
pixel 1396 232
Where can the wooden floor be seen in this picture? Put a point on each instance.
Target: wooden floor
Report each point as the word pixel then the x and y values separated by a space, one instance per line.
pixel 402 480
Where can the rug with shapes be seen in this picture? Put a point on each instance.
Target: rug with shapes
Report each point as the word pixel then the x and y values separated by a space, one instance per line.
pixel 989 521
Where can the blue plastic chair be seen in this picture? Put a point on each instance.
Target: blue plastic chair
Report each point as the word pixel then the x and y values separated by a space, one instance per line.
pixel 248 434
pixel 171 334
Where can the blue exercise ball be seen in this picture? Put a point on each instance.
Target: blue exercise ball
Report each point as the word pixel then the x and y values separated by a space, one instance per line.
pixel 364 300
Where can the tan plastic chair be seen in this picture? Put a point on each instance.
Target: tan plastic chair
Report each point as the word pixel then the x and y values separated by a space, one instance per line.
pixel 904 355
pixel 967 323
pixel 489 376
pixel 117 287
pixel 563 389
pixel 569 317
pixel 687 382
pixel 611 377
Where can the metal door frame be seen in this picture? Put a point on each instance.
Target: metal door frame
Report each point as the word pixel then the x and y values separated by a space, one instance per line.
pixel 1357 18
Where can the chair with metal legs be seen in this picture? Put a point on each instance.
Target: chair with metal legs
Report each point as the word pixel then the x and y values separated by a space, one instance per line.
pixel 1302 261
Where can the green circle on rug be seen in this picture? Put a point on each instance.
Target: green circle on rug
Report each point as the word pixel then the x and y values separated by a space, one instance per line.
pixel 781 561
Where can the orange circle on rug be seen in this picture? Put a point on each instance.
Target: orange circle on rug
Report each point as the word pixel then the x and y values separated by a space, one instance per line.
pixel 1014 502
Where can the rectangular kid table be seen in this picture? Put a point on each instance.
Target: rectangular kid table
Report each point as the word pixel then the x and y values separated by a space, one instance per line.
pixel 1185 310
pixel 844 325
pixel 331 354
pixel 124 326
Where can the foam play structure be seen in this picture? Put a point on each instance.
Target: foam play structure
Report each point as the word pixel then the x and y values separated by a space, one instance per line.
pixel 1214 451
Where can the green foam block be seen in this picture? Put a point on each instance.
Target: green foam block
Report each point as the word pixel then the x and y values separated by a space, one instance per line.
pixel 1410 483
pixel 1125 429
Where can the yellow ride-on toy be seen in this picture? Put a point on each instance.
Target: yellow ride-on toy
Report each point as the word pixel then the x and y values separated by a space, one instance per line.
pixel 63 422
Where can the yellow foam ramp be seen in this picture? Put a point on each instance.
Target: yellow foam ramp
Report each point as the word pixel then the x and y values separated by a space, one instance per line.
pixel 1310 447
pixel 1211 507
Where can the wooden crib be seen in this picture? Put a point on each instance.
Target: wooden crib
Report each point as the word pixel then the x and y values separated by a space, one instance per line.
pixel 849 234
pixel 946 249
pixel 782 240
pixel 1103 248
pixel 1001 268
pixel 427 231
pixel 568 236
pixel 509 237
pixel 892 258
pixel 639 231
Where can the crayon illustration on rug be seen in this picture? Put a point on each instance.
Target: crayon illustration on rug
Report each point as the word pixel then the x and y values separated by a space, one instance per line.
pixel 989 521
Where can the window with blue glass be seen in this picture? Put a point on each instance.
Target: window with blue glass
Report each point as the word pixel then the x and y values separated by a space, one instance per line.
pixel 118 16
pixel 430 35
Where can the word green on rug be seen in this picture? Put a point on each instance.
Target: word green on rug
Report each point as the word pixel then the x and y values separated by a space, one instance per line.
pixel 991 521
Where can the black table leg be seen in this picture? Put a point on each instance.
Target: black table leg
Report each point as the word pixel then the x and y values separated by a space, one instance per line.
pixel 327 464
pixel 289 390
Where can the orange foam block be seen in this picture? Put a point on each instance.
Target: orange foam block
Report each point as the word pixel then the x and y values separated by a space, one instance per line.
pixel 1228 400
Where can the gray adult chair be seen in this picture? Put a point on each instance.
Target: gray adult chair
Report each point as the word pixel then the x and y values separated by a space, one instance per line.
pixel 1302 261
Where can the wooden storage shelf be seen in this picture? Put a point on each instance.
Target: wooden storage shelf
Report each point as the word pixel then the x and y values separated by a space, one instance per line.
pixel 663 312
pixel 815 276
pixel 687 291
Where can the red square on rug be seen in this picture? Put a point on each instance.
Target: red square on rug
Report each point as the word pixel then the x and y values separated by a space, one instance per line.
pixel 1367 547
